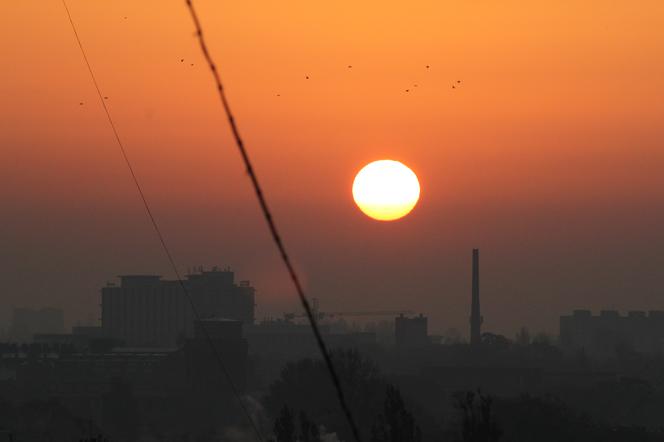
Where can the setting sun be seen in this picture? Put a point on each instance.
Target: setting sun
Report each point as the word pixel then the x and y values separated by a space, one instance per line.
pixel 386 190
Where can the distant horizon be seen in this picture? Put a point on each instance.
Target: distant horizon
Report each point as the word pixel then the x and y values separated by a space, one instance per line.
pixel 534 130
pixel 280 314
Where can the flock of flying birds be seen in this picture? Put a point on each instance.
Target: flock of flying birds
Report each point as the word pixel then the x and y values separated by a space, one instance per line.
pixel 455 84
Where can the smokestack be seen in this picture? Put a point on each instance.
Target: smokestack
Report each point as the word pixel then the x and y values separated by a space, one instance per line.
pixel 475 317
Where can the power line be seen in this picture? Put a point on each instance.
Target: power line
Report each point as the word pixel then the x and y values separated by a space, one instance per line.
pixel 271 224
pixel 157 230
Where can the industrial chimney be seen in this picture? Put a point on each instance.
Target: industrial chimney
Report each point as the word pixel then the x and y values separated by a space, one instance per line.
pixel 475 317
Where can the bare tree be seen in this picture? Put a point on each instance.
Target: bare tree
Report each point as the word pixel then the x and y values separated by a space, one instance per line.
pixel 477 421
pixel 395 423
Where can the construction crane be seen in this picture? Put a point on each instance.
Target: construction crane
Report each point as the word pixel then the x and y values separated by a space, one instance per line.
pixel 320 315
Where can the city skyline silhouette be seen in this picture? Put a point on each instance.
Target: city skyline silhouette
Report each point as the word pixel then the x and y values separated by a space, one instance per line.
pixel 198 221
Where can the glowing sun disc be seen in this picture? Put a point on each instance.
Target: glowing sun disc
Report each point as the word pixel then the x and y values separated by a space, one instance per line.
pixel 386 190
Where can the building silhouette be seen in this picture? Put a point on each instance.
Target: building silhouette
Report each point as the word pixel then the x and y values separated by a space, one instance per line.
pixel 27 322
pixel 187 383
pixel 145 310
pixel 411 332
pixel 604 334
pixel 275 342
pixel 216 341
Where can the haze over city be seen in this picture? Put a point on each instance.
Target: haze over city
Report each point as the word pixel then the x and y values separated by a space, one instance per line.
pixel 393 142
pixel 546 158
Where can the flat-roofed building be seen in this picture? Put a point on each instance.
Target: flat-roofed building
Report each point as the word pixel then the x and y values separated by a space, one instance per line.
pixel 604 334
pixel 411 332
pixel 27 322
pixel 145 310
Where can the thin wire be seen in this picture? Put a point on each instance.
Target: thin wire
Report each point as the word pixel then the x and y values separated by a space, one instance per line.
pixel 271 224
pixel 157 230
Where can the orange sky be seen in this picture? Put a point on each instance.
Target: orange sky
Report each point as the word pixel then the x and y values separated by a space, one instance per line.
pixel 548 156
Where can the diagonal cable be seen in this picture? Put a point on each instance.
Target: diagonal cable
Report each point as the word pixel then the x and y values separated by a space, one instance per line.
pixel 157 230
pixel 272 226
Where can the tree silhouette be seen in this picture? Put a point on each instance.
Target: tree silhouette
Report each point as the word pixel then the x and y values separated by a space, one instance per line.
pixel 309 431
pixel 305 385
pixel 120 411
pixel 498 342
pixel 478 423
pixel 395 423
pixel 522 337
pixel 284 426
pixel 41 420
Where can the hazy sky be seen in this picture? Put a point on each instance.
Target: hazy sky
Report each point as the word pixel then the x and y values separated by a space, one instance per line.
pixel 548 156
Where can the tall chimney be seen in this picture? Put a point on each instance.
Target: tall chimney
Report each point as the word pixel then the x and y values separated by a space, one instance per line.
pixel 475 317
